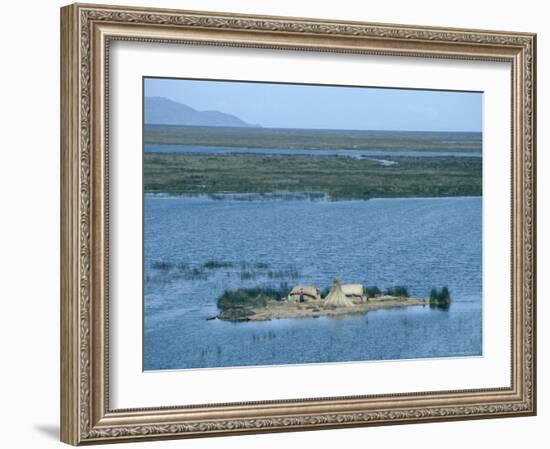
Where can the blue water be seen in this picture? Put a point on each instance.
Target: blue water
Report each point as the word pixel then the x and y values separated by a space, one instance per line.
pixel 357 154
pixel 419 243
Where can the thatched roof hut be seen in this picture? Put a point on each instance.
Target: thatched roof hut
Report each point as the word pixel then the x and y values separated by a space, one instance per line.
pixel 336 297
pixel 355 292
pixel 310 292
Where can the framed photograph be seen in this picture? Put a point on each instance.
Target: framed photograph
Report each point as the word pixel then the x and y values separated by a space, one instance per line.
pixel 279 224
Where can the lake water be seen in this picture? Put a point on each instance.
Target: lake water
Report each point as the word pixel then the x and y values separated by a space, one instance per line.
pixel 353 153
pixel 420 243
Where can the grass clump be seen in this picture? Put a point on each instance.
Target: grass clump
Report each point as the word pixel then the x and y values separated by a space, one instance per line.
pixel 243 297
pixel 261 265
pixel 194 274
pixel 248 275
pixel 251 297
pixel 440 298
pixel 372 291
pixel 253 265
pixel 398 290
pixel 215 264
pixel 162 265
pixel 291 273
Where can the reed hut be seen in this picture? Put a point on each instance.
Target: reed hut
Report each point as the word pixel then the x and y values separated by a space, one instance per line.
pixel 336 297
pixel 355 292
pixel 310 292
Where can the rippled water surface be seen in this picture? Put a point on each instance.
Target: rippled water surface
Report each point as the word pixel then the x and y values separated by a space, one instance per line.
pixel 419 243
pixel 341 152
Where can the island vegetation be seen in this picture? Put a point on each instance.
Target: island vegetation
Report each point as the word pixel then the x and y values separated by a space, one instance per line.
pixel 440 298
pixel 335 177
pixel 266 303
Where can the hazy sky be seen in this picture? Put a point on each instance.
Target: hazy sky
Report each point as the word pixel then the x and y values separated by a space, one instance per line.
pixel 302 106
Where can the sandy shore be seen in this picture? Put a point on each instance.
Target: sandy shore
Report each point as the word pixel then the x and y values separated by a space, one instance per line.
pixel 314 309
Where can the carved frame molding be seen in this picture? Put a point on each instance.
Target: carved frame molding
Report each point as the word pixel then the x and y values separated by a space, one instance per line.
pixel 87 31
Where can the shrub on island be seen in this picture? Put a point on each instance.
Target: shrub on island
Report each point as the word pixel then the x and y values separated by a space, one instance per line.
pixel 399 290
pixel 440 298
pixel 251 297
pixel 372 291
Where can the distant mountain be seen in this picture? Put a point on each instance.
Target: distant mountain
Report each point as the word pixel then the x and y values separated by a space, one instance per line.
pixel 162 111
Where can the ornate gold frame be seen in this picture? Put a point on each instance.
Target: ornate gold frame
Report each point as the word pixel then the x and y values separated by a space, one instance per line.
pixel 86 32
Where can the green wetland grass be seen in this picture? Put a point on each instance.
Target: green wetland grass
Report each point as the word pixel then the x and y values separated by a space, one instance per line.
pixel 215 264
pixel 246 271
pixel 338 177
pixel 251 297
pixel 328 139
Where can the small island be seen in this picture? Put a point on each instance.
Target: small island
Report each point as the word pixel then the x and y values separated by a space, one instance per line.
pixel 307 301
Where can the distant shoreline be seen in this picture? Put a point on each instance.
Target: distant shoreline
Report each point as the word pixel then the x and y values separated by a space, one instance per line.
pixel 293 138
pixel 344 130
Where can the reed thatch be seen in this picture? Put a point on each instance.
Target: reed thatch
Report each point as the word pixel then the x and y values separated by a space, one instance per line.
pixel 336 297
pixel 310 293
